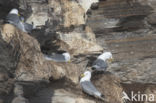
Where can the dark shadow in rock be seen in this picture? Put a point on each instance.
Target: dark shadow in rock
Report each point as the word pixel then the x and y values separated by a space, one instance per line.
pixel 6 6
pixel 63 83
pixel 130 24
pixel 44 40
pixel 89 57
pixel 89 12
pixel 31 90
pixel 66 29
pixel 49 40
pixel 43 92
pixel 95 6
pixel 98 73
pixel 79 58
pixel 7 68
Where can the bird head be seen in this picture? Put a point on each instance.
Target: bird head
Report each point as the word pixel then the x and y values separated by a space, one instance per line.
pixel 86 76
pixel 14 11
pixel 67 56
pixel 106 56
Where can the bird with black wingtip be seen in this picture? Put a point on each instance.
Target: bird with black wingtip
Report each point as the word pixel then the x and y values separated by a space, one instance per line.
pixel 62 57
pixel 15 19
pixel 88 87
pixel 101 63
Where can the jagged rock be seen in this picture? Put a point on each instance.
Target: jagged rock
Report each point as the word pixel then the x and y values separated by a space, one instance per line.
pixel 22 45
pixel 60 15
pixel 76 40
pixel 39 14
pixel 73 14
pixel 69 11
pixel 67 41
pixel 31 63
pixel 109 86
pixel 65 12
pixel 67 70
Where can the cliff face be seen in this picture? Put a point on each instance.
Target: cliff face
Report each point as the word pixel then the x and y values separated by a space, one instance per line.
pixel 127 29
pixel 84 28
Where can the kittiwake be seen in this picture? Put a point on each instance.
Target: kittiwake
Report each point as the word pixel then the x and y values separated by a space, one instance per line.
pixel 14 19
pixel 64 57
pixel 100 64
pixel 88 87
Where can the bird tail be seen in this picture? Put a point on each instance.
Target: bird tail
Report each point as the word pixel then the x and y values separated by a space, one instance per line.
pixel 93 68
pixel 102 97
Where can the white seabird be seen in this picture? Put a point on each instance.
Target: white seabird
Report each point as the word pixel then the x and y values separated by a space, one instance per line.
pixel 64 57
pixel 14 19
pixel 88 87
pixel 100 64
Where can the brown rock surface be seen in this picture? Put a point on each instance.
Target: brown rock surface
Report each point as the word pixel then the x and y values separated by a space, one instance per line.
pixel 75 40
pixel 65 12
pixel 31 63
pixel 109 86
pixel 129 37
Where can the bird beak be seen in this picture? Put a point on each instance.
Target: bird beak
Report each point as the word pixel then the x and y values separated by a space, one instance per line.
pixel 82 75
pixel 111 59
